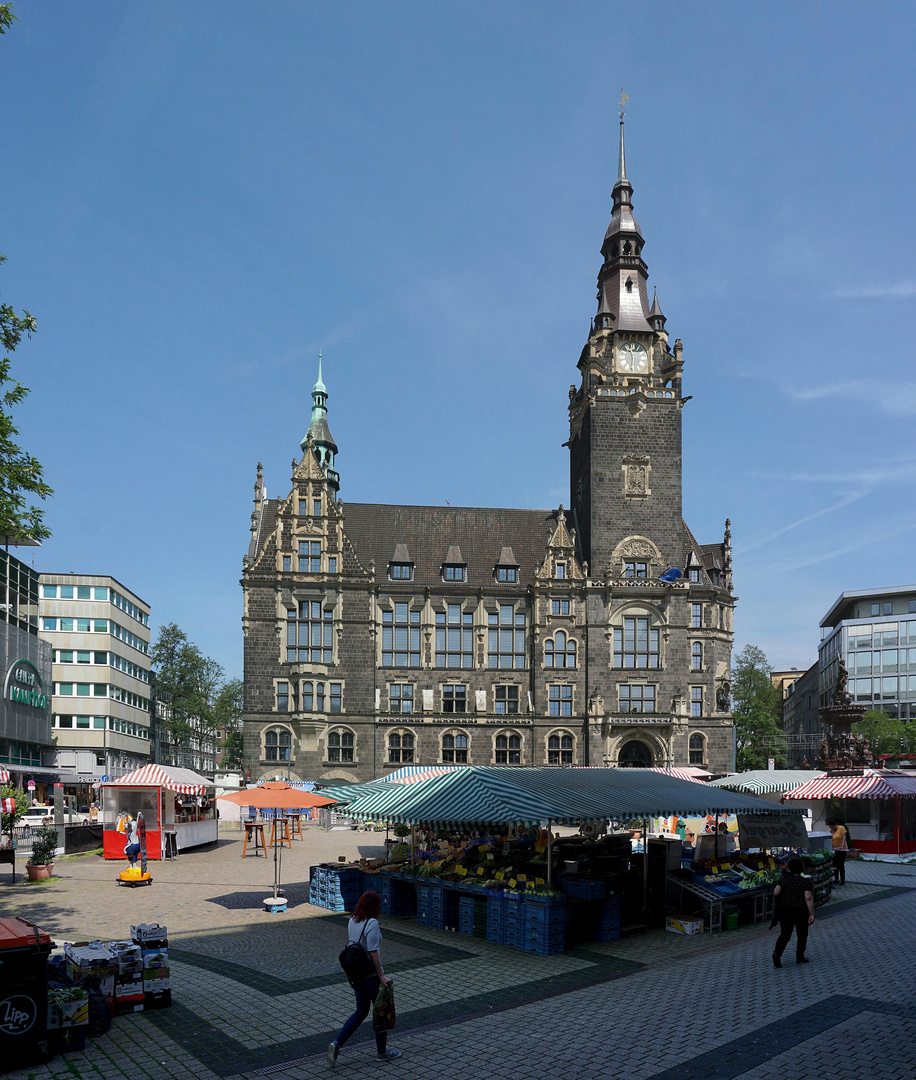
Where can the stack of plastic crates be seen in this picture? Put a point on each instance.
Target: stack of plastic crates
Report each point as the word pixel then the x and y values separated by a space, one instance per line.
pixel 431 906
pixel 335 888
pixel 608 928
pixel 543 928
pixel 513 923
pixel 398 897
pixel 472 916
pixel 494 917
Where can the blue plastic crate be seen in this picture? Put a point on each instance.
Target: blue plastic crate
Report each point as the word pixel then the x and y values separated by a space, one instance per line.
pixel 583 889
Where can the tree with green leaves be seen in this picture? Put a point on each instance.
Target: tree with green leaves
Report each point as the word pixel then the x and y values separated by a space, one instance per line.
pixel 21 476
pixel 187 684
pixel 229 712
pixel 884 734
pixel 757 712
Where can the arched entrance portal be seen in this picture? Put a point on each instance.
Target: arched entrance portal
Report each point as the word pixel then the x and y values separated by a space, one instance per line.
pixel 634 755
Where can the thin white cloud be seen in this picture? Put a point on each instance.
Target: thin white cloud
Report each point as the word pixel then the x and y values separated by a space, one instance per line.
pixel 872 541
pixel 902 290
pixel 897 401
pixel 770 537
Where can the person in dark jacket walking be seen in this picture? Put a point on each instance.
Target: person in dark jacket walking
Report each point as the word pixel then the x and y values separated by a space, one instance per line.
pixel 364 929
pixel 796 912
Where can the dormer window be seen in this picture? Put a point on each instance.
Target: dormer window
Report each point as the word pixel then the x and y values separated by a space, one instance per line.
pixel 694 574
pixel 507 575
pixel 400 571
pixel 454 573
pixel 561 570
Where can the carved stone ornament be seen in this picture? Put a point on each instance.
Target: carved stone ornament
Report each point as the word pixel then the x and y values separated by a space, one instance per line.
pixel 636 548
pixel 636 469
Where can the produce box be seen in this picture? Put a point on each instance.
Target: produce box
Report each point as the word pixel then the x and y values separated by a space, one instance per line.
pixel 68 1014
pixel 128 985
pixel 149 932
pixel 155 958
pixel 132 1004
pixel 128 956
pixel 683 925
pixel 88 957
pixel 158 999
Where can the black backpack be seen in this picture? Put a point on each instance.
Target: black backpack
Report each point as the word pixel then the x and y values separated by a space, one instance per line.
pixel 354 959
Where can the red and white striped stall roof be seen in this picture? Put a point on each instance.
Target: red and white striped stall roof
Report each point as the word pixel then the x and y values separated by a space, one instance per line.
pixel 869 786
pixel 689 772
pixel 184 781
pixel 4 776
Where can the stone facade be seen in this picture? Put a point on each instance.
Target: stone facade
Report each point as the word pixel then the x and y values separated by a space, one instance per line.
pixel 378 636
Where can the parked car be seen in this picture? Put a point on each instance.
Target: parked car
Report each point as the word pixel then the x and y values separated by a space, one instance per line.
pixel 35 815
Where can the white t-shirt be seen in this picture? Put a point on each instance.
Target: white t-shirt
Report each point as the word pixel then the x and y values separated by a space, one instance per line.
pixel 371 939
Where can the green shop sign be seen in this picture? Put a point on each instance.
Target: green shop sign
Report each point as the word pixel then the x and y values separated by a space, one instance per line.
pixel 24 685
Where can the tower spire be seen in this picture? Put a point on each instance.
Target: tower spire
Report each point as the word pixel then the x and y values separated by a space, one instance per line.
pixel 319 433
pixel 622 154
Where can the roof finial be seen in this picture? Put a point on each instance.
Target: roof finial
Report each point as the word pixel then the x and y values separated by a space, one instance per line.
pixel 622 158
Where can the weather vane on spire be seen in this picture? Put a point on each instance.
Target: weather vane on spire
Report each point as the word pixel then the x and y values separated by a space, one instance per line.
pixel 623 100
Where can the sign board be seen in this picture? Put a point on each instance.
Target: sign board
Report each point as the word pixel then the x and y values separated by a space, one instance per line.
pixel 23 684
pixel 770 831
pixel 771 764
pixel 31 785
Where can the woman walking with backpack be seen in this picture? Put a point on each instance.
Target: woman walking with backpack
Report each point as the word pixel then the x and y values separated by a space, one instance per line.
pixel 365 974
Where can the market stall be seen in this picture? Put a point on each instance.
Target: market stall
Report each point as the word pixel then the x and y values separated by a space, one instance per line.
pixel 878 807
pixel 770 785
pixel 176 805
pixel 486 833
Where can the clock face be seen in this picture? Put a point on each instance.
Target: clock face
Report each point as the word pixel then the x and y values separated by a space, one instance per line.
pixel 631 356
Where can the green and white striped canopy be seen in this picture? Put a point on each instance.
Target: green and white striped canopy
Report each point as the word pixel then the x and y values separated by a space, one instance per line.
pixel 766 781
pixel 491 795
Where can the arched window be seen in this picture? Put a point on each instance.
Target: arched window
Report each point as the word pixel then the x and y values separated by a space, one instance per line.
pixel 560 651
pixel 278 744
pixel 455 748
pixel 636 642
pixel 696 754
pixel 508 748
pixel 341 745
pixel 401 747
pixel 696 656
pixel 560 748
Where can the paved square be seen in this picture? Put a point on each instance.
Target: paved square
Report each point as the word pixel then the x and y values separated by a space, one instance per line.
pixel 261 995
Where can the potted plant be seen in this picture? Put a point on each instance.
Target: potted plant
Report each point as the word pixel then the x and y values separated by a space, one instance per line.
pixel 44 851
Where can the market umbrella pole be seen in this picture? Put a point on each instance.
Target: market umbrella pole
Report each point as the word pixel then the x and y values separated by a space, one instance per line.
pixel 549 854
pixel 645 864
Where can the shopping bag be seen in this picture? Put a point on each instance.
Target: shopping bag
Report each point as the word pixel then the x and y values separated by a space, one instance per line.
pixel 383 1013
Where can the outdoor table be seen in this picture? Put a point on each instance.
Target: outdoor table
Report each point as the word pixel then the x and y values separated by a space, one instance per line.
pixel 712 901
pixel 295 825
pixel 254 831
pixel 284 837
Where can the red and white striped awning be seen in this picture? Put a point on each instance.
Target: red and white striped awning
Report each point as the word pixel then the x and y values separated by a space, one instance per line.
pixel 184 781
pixel 689 772
pixel 869 786
pixel 4 776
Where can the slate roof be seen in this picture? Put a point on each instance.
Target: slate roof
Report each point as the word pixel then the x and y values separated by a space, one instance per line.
pixel 375 531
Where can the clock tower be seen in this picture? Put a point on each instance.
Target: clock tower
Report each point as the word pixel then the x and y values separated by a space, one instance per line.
pixel 625 416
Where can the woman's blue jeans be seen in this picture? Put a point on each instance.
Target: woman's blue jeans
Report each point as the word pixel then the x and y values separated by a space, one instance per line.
pixel 366 991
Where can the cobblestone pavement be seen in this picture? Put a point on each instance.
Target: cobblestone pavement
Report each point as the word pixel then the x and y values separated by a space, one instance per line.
pixel 257 995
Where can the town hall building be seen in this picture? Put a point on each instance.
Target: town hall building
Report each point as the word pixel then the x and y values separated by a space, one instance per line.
pixel 599 635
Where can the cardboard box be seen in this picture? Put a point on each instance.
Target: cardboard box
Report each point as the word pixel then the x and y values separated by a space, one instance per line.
pixel 154 974
pixel 85 957
pixel 149 932
pixel 153 986
pixel 155 958
pixel 128 956
pixel 158 1000
pixel 128 985
pixel 132 1004
pixel 683 925
pixel 70 1014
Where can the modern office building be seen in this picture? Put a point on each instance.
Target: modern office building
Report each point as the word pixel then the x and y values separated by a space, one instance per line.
pixel 99 633
pixel 378 635
pixel 26 739
pixel 873 632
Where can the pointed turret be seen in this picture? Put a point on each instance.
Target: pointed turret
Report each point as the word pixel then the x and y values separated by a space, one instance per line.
pixel 319 434
pixel 623 301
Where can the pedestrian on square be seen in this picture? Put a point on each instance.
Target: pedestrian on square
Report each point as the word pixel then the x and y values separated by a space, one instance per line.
pixel 363 928
pixel 796 912
pixel 840 846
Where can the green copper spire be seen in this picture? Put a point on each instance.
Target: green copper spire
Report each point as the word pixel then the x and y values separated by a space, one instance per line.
pixel 319 433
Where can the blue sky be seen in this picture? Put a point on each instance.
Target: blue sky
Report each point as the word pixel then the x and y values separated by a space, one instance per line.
pixel 198 197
